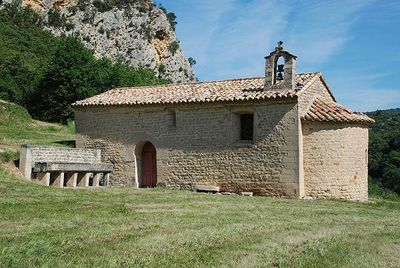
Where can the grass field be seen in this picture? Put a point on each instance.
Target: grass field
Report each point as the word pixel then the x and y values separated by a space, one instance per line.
pixel 17 127
pixel 51 227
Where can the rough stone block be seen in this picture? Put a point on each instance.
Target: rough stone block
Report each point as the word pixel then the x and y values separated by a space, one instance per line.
pixel 206 188
pixel 246 193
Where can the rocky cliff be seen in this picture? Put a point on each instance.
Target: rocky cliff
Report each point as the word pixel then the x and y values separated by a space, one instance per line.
pixel 135 31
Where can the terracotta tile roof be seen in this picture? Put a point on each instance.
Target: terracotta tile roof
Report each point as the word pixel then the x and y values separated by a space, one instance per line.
pixel 214 91
pixel 333 112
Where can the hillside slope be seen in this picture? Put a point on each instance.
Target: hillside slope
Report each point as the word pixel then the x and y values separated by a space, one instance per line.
pixel 137 32
pixel 17 127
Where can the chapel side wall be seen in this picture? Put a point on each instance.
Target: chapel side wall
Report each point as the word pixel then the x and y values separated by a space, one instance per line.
pixel 335 160
pixel 203 147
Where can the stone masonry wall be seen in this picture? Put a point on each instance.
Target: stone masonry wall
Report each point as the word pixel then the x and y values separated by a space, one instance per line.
pixel 335 160
pixel 199 144
pixel 65 155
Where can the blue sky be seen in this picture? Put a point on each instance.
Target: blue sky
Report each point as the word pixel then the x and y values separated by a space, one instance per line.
pixel 354 43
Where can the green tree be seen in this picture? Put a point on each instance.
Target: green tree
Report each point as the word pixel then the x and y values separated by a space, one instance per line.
pixel 69 78
pixel 25 51
pixel 75 74
pixel 384 149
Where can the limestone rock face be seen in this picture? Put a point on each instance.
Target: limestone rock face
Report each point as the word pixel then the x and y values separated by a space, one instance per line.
pixel 139 33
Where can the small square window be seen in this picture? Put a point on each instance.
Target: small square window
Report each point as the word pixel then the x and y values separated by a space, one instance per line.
pixel 246 127
pixel 171 118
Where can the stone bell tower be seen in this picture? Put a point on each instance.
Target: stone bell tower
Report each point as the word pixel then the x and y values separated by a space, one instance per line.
pixel 280 69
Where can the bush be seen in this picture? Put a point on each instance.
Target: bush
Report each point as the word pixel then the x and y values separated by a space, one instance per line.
pixel 73 9
pixel 104 5
pixel 173 47
pixel 376 190
pixel 170 16
pixel 192 61
pixel 146 31
pixel 8 156
pixel 69 26
pixel 56 19
pixel 88 17
pixel 161 69
pixel 21 16
pixel 11 113
pixel 83 4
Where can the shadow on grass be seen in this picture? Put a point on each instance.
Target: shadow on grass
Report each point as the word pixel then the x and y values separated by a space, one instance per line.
pixel 68 143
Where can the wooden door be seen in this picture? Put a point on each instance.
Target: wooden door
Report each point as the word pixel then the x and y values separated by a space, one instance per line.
pixel 149 165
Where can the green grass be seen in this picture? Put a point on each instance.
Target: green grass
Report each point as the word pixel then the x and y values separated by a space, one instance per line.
pixel 17 127
pixel 8 156
pixel 51 227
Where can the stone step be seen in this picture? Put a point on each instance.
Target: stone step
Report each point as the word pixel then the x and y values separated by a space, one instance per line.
pixel 206 188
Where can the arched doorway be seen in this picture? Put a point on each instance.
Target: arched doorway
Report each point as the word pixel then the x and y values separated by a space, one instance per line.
pixel 149 166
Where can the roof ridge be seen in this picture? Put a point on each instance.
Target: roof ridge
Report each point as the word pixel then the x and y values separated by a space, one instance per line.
pixel 189 83
pixel 219 90
pixel 204 82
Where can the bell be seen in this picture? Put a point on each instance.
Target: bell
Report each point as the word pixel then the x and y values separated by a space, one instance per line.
pixel 280 68
pixel 279 76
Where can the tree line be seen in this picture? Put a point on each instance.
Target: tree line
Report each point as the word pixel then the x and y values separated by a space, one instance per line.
pixel 384 149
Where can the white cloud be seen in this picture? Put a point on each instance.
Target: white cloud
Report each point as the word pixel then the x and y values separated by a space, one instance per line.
pixel 229 38
pixel 319 29
pixel 241 38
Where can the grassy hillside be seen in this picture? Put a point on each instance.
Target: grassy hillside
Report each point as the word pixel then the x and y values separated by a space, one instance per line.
pixel 17 127
pixel 51 227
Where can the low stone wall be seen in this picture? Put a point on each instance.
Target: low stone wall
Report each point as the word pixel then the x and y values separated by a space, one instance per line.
pixel 31 154
pixel 335 160
pixel 64 167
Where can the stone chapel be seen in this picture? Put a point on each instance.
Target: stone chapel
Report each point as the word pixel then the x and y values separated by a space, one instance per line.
pixel 283 134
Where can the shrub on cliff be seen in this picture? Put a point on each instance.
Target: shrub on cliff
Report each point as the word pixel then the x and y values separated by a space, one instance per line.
pixel 170 16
